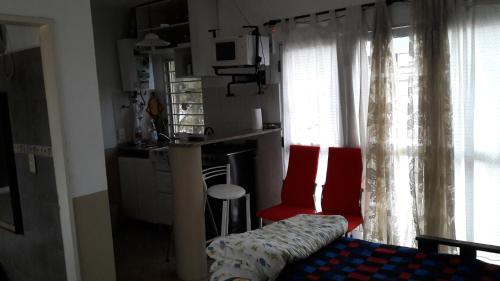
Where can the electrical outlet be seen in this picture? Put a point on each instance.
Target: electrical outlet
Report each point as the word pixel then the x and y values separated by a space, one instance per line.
pixel 32 163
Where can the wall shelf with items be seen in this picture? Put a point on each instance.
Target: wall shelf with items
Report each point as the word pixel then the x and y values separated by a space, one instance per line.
pixel 169 19
pixel 160 13
pixel 164 26
pixel 184 24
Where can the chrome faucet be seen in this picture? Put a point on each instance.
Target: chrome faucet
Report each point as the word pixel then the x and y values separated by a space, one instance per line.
pixel 165 136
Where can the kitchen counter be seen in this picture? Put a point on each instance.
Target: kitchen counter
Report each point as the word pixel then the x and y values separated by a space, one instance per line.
pixel 143 151
pixel 186 166
pixel 223 138
pixel 139 151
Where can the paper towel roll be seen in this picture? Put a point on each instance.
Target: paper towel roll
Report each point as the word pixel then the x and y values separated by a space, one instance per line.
pixel 256 119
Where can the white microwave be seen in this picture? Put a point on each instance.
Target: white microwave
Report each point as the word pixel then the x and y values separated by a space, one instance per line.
pixel 240 50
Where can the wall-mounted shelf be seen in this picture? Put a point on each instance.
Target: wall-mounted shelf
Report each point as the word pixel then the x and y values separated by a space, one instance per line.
pixel 164 26
pixel 168 19
pixel 185 24
pixel 160 13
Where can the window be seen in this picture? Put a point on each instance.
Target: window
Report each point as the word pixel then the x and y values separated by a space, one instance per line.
pixel 402 73
pixel 185 102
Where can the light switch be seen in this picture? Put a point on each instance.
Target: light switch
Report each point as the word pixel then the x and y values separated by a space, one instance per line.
pixel 32 163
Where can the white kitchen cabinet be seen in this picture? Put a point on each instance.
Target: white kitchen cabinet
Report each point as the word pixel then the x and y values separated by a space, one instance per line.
pixel 202 17
pixel 146 191
pixel 165 208
pixel 129 189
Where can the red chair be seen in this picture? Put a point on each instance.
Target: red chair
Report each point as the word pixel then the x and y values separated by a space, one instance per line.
pixel 342 190
pixel 297 193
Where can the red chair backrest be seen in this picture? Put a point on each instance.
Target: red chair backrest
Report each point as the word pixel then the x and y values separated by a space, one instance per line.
pixel 299 184
pixel 342 190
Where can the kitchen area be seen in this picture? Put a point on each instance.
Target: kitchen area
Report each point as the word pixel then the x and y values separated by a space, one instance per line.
pixel 168 116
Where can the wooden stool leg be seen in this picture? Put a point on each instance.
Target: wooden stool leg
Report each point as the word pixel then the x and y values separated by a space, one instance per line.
pixel 249 220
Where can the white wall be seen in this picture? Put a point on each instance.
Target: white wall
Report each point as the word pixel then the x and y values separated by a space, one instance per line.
pixel 77 78
pixel 110 19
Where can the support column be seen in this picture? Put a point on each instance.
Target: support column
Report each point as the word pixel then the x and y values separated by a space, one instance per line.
pixel 189 216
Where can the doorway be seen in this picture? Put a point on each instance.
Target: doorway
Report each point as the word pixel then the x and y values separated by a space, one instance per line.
pixel 36 236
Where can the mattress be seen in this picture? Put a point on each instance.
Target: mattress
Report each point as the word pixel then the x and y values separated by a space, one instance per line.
pixel 352 259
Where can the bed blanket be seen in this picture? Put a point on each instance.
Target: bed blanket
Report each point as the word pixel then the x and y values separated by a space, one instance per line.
pixel 353 259
pixel 261 254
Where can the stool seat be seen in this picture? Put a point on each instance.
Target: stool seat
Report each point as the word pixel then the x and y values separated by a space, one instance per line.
pixel 226 191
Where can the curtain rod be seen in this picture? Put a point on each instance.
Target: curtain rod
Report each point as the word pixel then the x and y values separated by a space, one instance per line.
pixel 363 6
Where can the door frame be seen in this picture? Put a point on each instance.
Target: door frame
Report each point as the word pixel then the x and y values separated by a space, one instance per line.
pixel 53 95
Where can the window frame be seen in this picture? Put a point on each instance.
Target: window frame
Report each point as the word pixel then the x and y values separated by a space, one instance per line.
pixel 170 80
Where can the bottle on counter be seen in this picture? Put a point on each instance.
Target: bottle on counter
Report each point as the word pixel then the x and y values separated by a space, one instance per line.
pixel 137 132
pixel 153 132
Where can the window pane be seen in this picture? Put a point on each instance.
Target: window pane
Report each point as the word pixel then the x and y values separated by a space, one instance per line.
pixel 188 98
pixel 183 86
pixel 186 108
pixel 186 102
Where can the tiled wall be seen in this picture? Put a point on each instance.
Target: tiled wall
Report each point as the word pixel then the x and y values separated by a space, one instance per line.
pixel 36 255
pixel 232 114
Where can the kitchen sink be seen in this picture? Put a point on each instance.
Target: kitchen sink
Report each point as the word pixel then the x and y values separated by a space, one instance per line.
pixel 151 145
pixel 140 151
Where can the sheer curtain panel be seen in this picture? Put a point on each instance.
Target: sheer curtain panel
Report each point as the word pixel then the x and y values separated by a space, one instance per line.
pixel 311 90
pixel 378 219
pixel 353 76
pixel 475 79
pixel 430 121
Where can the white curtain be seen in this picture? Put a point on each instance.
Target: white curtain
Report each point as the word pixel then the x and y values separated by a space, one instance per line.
pixel 353 76
pixel 475 80
pixel 325 84
pixel 311 90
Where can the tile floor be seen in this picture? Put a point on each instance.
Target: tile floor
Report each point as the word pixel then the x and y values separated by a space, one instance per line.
pixel 140 252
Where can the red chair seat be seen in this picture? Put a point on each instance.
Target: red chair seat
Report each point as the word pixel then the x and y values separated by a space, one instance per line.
pixel 281 212
pixel 353 221
pixel 298 186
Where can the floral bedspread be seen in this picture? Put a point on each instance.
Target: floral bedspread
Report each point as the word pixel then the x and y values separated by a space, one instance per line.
pixel 261 254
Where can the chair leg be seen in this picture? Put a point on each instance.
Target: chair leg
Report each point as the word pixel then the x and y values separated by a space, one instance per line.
pixel 170 243
pixel 212 218
pixel 249 220
pixel 228 213
pixel 260 222
pixel 224 221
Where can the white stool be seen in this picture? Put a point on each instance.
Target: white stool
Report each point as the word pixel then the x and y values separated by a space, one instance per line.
pixel 225 192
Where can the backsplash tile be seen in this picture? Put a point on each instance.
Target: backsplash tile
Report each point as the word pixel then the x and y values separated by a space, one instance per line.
pixel 232 114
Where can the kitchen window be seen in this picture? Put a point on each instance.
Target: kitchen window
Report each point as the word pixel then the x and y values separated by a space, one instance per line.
pixel 185 102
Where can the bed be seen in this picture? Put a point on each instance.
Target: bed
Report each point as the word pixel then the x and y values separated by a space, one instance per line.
pixel 343 258
pixel 353 259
